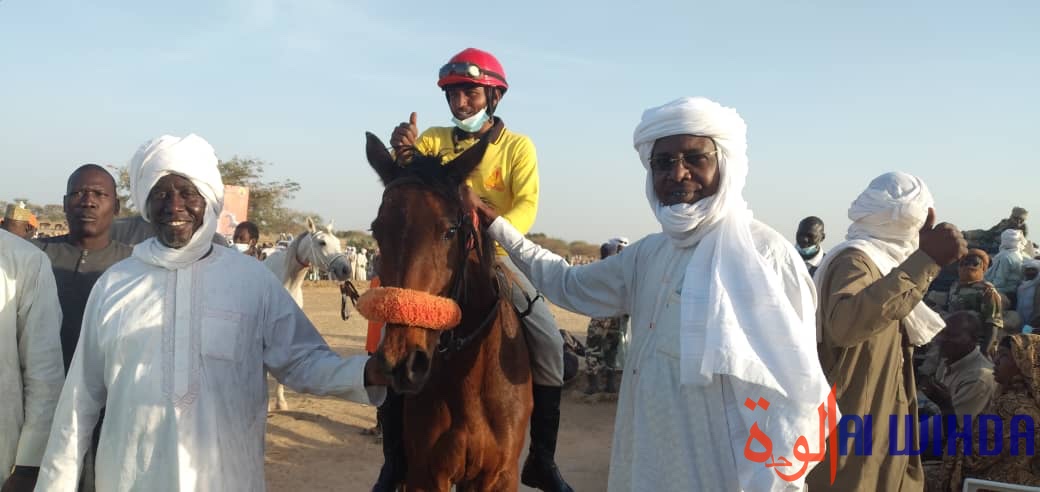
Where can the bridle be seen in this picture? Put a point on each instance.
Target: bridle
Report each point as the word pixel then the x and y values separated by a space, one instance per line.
pixel 467 227
pixel 466 232
pixel 313 257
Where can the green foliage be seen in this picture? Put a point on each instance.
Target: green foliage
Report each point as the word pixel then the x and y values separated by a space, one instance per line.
pixel 585 249
pixel 558 246
pixel 267 199
pixel 357 239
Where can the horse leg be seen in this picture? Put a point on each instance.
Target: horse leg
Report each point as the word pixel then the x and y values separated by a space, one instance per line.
pixel 280 394
pixel 507 481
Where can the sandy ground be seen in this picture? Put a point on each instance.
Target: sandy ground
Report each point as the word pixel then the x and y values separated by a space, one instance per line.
pixel 318 445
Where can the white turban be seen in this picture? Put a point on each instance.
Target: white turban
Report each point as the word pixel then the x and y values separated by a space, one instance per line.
pixel 193 158
pixel 886 224
pixel 702 117
pixel 735 318
pixel 1012 239
pixel 614 245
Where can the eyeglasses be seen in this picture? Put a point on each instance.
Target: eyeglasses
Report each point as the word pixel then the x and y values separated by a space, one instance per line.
pixel 664 162
pixel 468 70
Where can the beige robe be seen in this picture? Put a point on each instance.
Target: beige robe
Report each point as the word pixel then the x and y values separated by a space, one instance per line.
pixel 866 354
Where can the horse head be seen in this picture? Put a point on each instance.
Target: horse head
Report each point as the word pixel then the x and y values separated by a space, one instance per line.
pixel 321 248
pixel 426 240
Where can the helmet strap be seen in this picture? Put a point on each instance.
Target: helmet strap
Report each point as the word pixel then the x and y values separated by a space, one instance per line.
pixel 492 101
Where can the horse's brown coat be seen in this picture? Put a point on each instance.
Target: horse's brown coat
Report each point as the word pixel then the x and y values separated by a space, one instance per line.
pixel 467 411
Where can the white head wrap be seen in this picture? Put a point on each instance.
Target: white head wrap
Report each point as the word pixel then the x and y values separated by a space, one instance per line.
pixel 1012 239
pixel 736 318
pixel 886 223
pixel 614 244
pixel 193 158
pixel 685 223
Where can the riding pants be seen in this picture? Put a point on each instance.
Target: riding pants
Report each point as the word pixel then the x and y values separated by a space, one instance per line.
pixel 544 342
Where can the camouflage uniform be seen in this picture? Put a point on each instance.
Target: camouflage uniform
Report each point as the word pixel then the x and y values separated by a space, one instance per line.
pixel 603 343
pixel 979 297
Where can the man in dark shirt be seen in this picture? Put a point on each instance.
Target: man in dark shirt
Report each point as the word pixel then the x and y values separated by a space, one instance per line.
pixel 81 256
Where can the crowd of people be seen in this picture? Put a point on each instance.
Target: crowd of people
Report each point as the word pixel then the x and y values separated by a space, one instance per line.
pixel 140 346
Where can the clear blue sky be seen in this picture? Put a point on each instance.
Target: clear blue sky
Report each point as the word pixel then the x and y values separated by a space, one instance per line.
pixel 834 94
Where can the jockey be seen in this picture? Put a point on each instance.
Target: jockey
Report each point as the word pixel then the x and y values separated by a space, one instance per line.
pixel 474 82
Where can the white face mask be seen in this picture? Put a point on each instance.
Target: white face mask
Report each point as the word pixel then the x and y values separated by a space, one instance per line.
pixel 474 123
pixel 241 247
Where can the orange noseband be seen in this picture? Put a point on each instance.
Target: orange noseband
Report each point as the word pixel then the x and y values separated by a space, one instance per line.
pixel 409 307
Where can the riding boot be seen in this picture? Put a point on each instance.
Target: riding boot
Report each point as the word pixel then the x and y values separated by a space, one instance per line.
pixel 391 418
pixel 540 470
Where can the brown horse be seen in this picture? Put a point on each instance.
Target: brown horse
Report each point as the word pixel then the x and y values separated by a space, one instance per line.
pixel 468 389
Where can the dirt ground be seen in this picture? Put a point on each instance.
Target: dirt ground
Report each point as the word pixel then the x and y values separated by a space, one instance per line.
pixel 318 445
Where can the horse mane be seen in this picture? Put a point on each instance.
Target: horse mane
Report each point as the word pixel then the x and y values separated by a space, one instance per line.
pixel 428 171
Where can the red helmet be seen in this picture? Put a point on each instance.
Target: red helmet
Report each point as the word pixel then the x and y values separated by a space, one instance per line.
pixel 473 66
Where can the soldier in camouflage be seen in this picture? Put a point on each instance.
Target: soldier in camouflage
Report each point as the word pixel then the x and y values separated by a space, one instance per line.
pixel 972 293
pixel 603 343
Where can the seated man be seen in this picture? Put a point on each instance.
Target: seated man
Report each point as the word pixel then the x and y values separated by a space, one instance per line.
pixel 963 384
pixel 175 343
pixel 1006 272
pixel 972 293
pixel 1028 302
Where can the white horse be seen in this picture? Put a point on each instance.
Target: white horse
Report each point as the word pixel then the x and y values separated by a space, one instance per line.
pixel 315 248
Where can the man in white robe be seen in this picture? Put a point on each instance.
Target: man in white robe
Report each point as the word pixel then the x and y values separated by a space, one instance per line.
pixel 174 345
pixel 722 314
pixel 31 370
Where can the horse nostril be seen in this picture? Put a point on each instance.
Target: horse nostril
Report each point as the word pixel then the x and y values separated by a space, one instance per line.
pixel 418 364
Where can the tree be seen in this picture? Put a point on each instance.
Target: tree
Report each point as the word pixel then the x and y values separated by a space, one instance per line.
pixel 122 175
pixel 266 198
pixel 555 245
pixel 357 239
pixel 583 248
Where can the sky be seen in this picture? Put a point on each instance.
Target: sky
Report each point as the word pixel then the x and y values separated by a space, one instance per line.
pixel 834 94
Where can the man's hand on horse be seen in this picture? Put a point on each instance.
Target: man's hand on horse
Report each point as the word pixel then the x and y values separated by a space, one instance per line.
pixel 374 375
pixel 405 135
pixel 472 201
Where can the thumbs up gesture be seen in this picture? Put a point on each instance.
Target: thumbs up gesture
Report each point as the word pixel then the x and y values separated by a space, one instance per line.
pixel 944 243
pixel 405 135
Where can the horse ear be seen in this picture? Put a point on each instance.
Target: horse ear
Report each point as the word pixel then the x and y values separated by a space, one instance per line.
pixel 380 159
pixel 328 228
pixel 310 225
pixel 462 166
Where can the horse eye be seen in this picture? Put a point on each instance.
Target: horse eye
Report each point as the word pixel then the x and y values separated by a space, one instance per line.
pixel 450 233
pixel 321 243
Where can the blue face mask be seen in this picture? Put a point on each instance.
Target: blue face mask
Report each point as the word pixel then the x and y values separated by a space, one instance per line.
pixel 808 252
pixel 474 123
